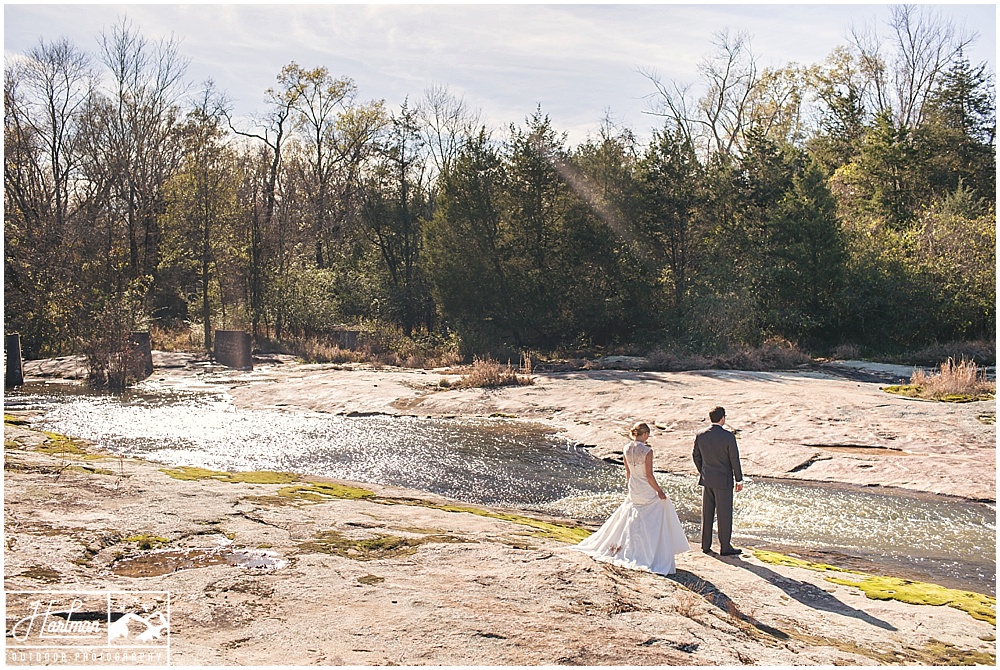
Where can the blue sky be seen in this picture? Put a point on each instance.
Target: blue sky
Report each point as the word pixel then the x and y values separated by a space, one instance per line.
pixel 577 61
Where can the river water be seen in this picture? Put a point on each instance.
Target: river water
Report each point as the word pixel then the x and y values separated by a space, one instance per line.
pixel 507 463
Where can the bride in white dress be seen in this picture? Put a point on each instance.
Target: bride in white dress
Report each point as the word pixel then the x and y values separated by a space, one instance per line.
pixel 644 533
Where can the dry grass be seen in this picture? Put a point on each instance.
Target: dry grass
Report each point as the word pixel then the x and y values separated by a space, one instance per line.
pixel 315 350
pixel 668 361
pixel 489 373
pixel 186 338
pixel 687 604
pixel 962 380
pixel 386 344
pixel 376 344
pixel 846 352
pixel 439 359
pixel 775 354
pixel 382 346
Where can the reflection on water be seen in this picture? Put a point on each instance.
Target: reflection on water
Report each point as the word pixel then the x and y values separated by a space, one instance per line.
pixel 166 561
pixel 494 462
pixel 507 463
pixel 951 542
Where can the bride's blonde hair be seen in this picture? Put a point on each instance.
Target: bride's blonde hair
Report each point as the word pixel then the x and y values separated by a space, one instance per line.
pixel 638 429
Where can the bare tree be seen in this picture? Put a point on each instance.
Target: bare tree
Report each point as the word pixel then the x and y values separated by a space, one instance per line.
pixel 732 75
pixel 273 132
pixel 319 103
pixel 45 93
pixel 738 99
pixel 671 100
pixel 921 45
pixel 448 123
pixel 137 134
pixel 60 79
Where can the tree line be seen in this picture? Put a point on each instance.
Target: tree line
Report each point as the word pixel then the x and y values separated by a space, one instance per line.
pixel 851 201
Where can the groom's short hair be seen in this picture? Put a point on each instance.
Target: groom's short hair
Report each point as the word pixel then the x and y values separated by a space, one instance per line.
pixel 716 414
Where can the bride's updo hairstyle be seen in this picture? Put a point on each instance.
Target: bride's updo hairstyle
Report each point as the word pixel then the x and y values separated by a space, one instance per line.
pixel 638 429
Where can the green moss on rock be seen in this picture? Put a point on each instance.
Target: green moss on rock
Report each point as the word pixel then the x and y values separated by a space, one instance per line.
pixel 977 605
pixel 56 444
pixel 907 390
pixel 323 491
pixel 775 558
pixel 90 470
pixel 913 391
pixel 261 477
pixel 372 548
pixel 147 542
pixel 191 473
pixel 942 653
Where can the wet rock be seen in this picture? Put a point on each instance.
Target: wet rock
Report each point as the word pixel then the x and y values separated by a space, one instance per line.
pixel 157 563
pixel 505 596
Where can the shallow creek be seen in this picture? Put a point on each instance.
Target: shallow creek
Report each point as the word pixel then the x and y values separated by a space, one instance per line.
pixel 508 463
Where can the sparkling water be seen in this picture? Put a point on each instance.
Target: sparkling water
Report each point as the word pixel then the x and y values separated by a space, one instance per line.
pixel 509 463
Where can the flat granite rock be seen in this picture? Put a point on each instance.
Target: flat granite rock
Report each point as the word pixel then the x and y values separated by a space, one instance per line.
pixel 404 578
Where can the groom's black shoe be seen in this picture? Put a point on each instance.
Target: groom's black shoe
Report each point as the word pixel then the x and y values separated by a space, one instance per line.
pixel 732 552
pixel 708 551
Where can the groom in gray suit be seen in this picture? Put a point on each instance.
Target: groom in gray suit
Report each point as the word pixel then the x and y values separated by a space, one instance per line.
pixel 718 461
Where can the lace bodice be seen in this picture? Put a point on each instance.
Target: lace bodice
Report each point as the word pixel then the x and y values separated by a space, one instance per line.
pixel 635 453
pixel 639 490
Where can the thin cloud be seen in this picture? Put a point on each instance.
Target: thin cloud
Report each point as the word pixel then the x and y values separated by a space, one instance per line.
pixel 576 60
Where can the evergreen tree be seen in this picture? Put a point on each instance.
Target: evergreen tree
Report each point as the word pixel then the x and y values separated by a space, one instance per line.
pixel 467 250
pixel 671 180
pixel 806 256
pixel 960 132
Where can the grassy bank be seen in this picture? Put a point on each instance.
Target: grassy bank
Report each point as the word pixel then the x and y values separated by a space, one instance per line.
pixel 963 381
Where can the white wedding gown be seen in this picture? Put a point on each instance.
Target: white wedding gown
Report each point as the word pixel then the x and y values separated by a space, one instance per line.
pixel 644 533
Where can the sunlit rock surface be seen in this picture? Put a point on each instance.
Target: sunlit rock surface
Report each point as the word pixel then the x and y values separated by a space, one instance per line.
pixel 398 577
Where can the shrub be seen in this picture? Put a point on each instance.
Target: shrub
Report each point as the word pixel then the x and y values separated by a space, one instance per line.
pixel 779 353
pixel 489 373
pixel 775 354
pixel 846 352
pixel 316 350
pixel 953 381
pixel 178 337
pixel 376 344
pixel 113 360
pixel 668 361
pixel 386 344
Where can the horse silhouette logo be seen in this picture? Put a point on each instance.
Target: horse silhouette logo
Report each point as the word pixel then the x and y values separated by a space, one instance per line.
pixel 152 627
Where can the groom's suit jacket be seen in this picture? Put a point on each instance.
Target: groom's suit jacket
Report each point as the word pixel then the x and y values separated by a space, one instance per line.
pixel 717 458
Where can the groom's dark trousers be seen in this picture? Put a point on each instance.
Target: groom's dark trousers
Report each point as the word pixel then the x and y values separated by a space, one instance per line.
pixel 718 461
pixel 717 502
